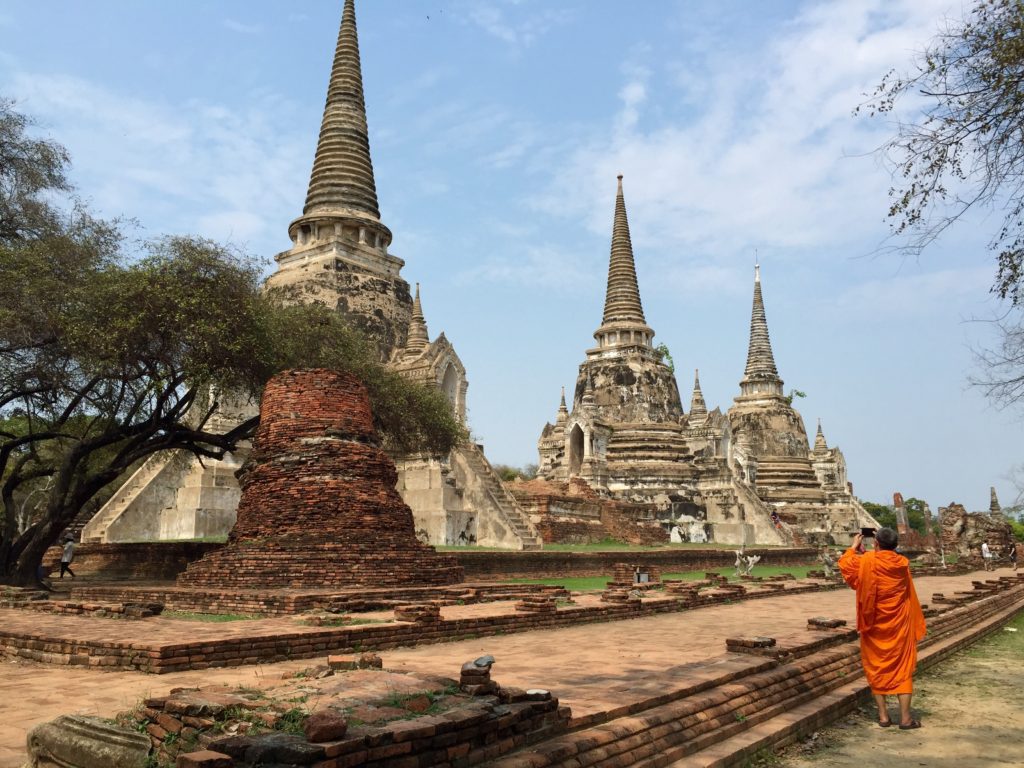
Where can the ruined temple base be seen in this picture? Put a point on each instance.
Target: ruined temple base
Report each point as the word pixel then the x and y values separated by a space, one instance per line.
pixel 311 562
pixel 288 602
pixel 637 697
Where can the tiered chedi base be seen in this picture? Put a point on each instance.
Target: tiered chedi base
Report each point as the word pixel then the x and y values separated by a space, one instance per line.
pixel 319 505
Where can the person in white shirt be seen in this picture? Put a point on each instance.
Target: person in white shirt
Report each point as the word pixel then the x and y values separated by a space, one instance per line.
pixel 66 557
pixel 986 555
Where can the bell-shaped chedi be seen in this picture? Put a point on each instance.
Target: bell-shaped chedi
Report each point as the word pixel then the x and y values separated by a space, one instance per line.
pixel 319 505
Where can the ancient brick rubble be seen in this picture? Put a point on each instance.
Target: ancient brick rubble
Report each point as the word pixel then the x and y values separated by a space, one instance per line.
pixel 319 505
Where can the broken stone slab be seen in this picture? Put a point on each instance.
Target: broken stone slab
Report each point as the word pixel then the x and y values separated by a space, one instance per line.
pixel 196 704
pixel 750 642
pixel 270 748
pixel 80 741
pixel 204 758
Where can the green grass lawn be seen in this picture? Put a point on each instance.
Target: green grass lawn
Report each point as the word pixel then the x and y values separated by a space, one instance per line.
pixel 591 583
pixel 602 546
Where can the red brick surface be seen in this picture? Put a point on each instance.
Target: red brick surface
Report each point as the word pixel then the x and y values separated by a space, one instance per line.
pixel 319 504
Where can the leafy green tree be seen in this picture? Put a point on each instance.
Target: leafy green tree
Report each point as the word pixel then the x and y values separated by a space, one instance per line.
pixel 508 473
pixel 109 354
pixel 886 515
pixel 883 514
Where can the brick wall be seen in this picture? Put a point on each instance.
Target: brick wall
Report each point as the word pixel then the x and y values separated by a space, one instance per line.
pixel 158 561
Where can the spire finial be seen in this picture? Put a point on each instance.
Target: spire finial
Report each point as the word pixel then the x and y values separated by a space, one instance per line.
pixel 622 301
pixel 342 177
pixel 820 444
pixel 418 338
pixel 760 376
pixel 563 412
pixel 698 408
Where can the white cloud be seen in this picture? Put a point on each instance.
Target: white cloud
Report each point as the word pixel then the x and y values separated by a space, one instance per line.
pixel 241 27
pixel 527 26
pixel 193 166
pixel 540 267
pixel 756 148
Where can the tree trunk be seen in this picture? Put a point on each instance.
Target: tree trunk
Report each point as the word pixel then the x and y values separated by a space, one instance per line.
pixel 26 569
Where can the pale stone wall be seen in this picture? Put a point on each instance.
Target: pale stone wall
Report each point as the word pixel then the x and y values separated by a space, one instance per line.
pixel 172 496
pixel 377 304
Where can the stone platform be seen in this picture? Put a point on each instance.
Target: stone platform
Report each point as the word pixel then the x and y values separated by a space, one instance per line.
pixel 651 683
pixel 158 645
pixel 286 602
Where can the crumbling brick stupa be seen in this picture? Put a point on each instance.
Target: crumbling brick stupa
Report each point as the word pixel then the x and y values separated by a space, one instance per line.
pixel 319 505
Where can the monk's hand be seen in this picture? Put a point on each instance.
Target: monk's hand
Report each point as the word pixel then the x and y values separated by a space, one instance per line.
pixel 858 543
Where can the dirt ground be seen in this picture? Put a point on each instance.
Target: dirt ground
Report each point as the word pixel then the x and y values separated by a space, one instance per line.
pixel 971 708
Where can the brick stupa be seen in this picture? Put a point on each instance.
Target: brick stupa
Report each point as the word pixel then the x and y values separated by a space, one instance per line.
pixel 319 505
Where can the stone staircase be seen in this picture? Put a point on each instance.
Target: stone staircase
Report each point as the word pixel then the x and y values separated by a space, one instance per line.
pixel 785 478
pixel 95 531
pixel 503 501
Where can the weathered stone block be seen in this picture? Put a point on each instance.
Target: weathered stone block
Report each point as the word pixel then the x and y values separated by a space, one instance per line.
pixel 85 742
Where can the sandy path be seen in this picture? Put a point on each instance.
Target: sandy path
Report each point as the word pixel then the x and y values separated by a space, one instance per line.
pixel 971 707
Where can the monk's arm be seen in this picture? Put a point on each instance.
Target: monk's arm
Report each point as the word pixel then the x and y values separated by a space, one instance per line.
pixel 849 566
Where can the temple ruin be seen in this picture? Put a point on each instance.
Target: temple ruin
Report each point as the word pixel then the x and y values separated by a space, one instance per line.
pixel 319 505
pixel 748 476
pixel 340 258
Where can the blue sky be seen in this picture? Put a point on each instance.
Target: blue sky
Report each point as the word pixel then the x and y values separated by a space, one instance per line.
pixel 497 128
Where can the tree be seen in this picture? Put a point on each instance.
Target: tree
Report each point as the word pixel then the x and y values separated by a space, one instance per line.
pixel 966 150
pixel 886 515
pixel 508 473
pixel 29 167
pixel 109 354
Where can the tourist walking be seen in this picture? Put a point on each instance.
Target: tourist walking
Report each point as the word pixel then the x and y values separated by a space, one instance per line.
pixel 1012 554
pixel 986 555
pixel 889 620
pixel 66 557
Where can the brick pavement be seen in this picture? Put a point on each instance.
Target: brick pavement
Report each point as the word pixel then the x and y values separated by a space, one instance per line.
pixel 590 667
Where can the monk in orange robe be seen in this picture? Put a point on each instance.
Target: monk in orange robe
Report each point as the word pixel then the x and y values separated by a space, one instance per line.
pixel 889 620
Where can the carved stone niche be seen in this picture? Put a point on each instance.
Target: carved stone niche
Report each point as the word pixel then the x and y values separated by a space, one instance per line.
pixel 79 741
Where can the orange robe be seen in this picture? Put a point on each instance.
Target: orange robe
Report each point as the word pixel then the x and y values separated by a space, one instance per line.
pixel 889 618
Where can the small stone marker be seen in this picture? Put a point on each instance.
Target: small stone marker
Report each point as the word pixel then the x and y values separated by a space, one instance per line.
pixel 475 677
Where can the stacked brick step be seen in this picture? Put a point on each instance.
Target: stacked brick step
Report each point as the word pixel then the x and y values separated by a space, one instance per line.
pixel 319 504
pixel 427 613
pixel 537 604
